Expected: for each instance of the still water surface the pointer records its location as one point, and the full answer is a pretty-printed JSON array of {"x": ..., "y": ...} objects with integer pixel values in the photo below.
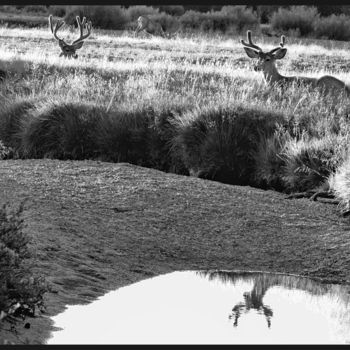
[{"x": 211, "y": 307}]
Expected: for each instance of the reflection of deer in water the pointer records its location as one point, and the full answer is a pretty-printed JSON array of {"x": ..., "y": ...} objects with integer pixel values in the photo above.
[
  {"x": 262, "y": 282},
  {"x": 254, "y": 300}
]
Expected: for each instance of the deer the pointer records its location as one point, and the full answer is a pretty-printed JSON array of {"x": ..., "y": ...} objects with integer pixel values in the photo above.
[
  {"x": 144, "y": 23},
  {"x": 69, "y": 50},
  {"x": 266, "y": 64}
]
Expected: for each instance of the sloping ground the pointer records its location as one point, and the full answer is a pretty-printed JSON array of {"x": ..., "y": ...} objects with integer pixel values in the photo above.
[{"x": 100, "y": 226}]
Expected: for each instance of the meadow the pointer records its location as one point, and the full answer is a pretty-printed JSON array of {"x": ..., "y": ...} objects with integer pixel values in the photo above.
[{"x": 190, "y": 105}]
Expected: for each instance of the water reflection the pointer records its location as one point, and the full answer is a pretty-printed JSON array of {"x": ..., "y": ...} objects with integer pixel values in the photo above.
[{"x": 212, "y": 307}]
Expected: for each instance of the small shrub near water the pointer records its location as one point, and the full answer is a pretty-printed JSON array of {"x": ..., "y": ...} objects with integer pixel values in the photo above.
[
  {"x": 21, "y": 292},
  {"x": 309, "y": 162},
  {"x": 340, "y": 184},
  {"x": 11, "y": 117}
]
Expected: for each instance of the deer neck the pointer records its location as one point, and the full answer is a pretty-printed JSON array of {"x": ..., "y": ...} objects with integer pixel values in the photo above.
[{"x": 271, "y": 74}]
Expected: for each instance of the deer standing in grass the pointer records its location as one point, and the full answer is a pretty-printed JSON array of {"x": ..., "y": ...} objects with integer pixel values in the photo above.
[
  {"x": 266, "y": 64},
  {"x": 144, "y": 23},
  {"x": 69, "y": 50}
]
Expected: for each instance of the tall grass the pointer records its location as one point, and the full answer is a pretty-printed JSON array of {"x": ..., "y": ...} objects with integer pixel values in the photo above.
[{"x": 189, "y": 105}]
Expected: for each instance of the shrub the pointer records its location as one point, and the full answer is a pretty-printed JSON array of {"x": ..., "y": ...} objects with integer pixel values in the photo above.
[
  {"x": 104, "y": 17},
  {"x": 296, "y": 18},
  {"x": 5, "y": 152},
  {"x": 340, "y": 184},
  {"x": 11, "y": 117},
  {"x": 21, "y": 292},
  {"x": 333, "y": 27},
  {"x": 134, "y": 12},
  {"x": 309, "y": 162},
  {"x": 266, "y": 12},
  {"x": 268, "y": 161},
  {"x": 122, "y": 137},
  {"x": 219, "y": 144},
  {"x": 162, "y": 154},
  {"x": 168, "y": 23},
  {"x": 57, "y": 10},
  {"x": 173, "y": 10},
  {"x": 63, "y": 131},
  {"x": 241, "y": 17},
  {"x": 42, "y": 9},
  {"x": 235, "y": 18}
]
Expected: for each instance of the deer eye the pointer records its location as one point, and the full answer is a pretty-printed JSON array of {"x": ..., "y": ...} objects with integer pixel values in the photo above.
[{"x": 267, "y": 59}]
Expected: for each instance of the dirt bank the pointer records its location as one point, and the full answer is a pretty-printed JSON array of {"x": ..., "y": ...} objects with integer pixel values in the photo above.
[{"x": 99, "y": 226}]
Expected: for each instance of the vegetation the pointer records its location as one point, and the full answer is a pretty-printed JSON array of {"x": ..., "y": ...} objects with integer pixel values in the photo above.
[
  {"x": 189, "y": 105},
  {"x": 21, "y": 291}
]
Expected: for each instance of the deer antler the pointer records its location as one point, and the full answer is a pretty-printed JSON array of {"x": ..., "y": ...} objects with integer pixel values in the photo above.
[
  {"x": 81, "y": 25},
  {"x": 282, "y": 42},
  {"x": 58, "y": 25},
  {"x": 250, "y": 44}
]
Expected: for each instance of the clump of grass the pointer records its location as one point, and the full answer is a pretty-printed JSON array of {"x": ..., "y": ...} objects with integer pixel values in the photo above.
[
  {"x": 11, "y": 117},
  {"x": 5, "y": 152},
  {"x": 310, "y": 161},
  {"x": 218, "y": 144},
  {"x": 62, "y": 131},
  {"x": 340, "y": 184},
  {"x": 21, "y": 291},
  {"x": 121, "y": 136},
  {"x": 268, "y": 160}
]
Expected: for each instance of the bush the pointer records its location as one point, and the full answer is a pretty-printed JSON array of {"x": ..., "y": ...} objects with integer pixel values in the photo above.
[
  {"x": 63, "y": 131},
  {"x": 38, "y": 9},
  {"x": 134, "y": 12},
  {"x": 340, "y": 184},
  {"x": 220, "y": 144},
  {"x": 11, "y": 117},
  {"x": 122, "y": 137},
  {"x": 5, "y": 152},
  {"x": 57, "y": 10},
  {"x": 297, "y": 18},
  {"x": 241, "y": 17},
  {"x": 268, "y": 160},
  {"x": 266, "y": 12},
  {"x": 333, "y": 27},
  {"x": 168, "y": 23},
  {"x": 309, "y": 162},
  {"x": 173, "y": 10},
  {"x": 104, "y": 17},
  {"x": 21, "y": 292},
  {"x": 236, "y": 18}
]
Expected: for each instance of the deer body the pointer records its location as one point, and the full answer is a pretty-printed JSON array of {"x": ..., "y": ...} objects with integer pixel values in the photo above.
[
  {"x": 266, "y": 64},
  {"x": 145, "y": 24}
]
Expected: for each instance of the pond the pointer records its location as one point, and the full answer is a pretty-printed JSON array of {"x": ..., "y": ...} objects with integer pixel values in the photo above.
[{"x": 212, "y": 307}]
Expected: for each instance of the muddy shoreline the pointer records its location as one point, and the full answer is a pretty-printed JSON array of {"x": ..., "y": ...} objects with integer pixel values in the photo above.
[{"x": 99, "y": 226}]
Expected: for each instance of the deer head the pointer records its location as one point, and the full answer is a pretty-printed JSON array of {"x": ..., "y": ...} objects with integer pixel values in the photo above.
[
  {"x": 265, "y": 60},
  {"x": 69, "y": 50}
]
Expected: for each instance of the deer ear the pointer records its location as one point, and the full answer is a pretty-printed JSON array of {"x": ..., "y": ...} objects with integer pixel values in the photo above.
[
  {"x": 280, "y": 53},
  {"x": 78, "y": 45},
  {"x": 251, "y": 52}
]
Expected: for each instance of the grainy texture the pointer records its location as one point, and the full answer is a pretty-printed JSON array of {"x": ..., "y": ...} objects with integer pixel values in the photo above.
[{"x": 100, "y": 226}]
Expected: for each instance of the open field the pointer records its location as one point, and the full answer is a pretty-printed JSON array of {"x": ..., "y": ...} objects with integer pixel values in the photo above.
[{"x": 99, "y": 226}]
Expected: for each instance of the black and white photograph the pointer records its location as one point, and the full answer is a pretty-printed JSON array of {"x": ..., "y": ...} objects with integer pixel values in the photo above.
[{"x": 174, "y": 174}]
